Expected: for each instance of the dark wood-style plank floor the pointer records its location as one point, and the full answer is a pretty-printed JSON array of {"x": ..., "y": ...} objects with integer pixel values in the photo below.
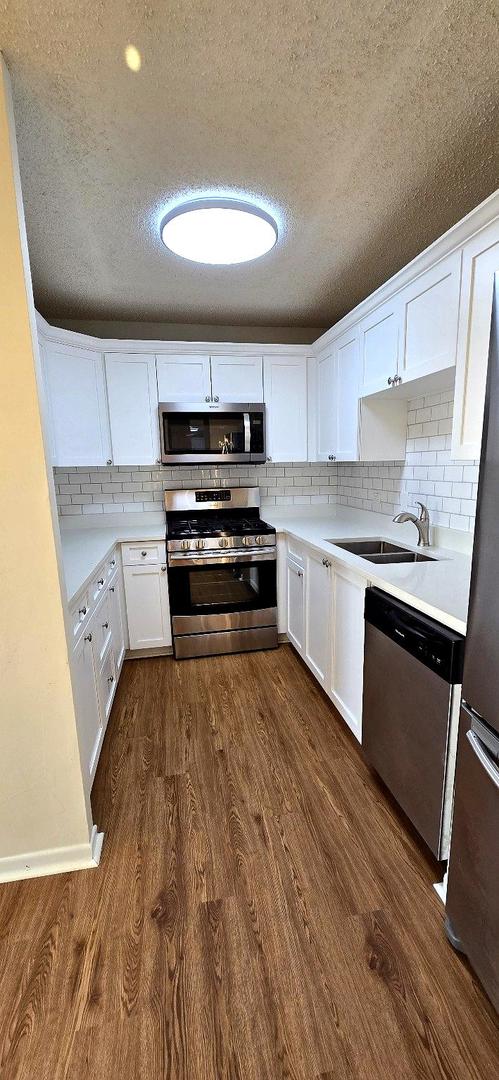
[{"x": 260, "y": 910}]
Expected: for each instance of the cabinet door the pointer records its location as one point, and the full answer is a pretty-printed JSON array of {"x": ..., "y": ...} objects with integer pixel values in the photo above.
[
  {"x": 117, "y": 611},
  {"x": 183, "y": 378},
  {"x": 379, "y": 346},
  {"x": 296, "y": 605},
  {"x": 348, "y": 647},
  {"x": 347, "y": 371},
  {"x": 77, "y": 406},
  {"x": 237, "y": 378},
  {"x": 146, "y": 593},
  {"x": 480, "y": 263},
  {"x": 318, "y": 618},
  {"x": 133, "y": 408},
  {"x": 327, "y": 412},
  {"x": 285, "y": 385},
  {"x": 430, "y": 312},
  {"x": 87, "y": 707}
]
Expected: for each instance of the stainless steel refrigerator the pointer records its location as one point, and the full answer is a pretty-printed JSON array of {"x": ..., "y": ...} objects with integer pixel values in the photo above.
[{"x": 473, "y": 885}]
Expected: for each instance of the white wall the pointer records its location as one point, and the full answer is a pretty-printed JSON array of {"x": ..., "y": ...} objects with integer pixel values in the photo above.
[{"x": 44, "y": 809}]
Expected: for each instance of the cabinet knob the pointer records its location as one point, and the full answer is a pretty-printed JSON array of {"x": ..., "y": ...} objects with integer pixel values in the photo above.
[
  {"x": 398, "y": 379},
  {"x": 111, "y": 588},
  {"x": 390, "y": 381},
  {"x": 207, "y": 398},
  {"x": 158, "y": 461},
  {"x": 300, "y": 573},
  {"x": 100, "y": 581},
  {"x": 143, "y": 553},
  {"x": 331, "y": 457},
  {"x": 105, "y": 626},
  {"x": 216, "y": 398},
  {"x": 109, "y": 461},
  {"x": 163, "y": 568},
  {"x": 269, "y": 459},
  {"x": 83, "y": 611},
  {"x": 88, "y": 637},
  {"x": 111, "y": 678}
]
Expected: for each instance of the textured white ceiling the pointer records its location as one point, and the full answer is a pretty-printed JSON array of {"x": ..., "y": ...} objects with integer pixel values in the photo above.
[{"x": 371, "y": 125}]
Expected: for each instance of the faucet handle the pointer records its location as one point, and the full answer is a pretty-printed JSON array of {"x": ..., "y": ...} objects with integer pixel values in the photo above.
[{"x": 424, "y": 513}]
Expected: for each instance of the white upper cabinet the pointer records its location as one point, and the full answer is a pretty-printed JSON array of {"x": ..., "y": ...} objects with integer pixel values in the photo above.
[
  {"x": 183, "y": 377},
  {"x": 430, "y": 308},
  {"x": 285, "y": 395},
  {"x": 347, "y": 378},
  {"x": 327, "y": 416},
  {"x": 379, "y": 346},
  {"x": 480, "y": 263},
  {"x": 133, "y": 408},
  {"x": 237, "y": 378},
  {"x": 77, "y": 405}
]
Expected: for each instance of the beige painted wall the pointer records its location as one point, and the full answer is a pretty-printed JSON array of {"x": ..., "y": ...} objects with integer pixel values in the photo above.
[
  {"x": 164, "y": 331},
  {"x": 43, "y": 803}
]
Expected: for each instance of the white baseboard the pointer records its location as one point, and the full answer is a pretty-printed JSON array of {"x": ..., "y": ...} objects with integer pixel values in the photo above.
[{"x": 53, "y": 860}]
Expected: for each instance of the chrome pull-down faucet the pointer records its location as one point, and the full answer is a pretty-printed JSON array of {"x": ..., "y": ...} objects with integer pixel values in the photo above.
[{"x": 422, "y": 523}]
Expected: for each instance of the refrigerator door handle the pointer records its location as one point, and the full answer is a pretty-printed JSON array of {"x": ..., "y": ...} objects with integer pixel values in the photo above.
[{"x": 490, "y": 767}]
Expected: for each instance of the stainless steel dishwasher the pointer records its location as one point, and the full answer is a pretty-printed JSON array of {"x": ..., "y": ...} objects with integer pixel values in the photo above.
[{"x": 412, "y": 676}]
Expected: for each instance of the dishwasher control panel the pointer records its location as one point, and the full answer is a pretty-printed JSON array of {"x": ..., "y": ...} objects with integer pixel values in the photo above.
[{"x": 436, "y": 646}]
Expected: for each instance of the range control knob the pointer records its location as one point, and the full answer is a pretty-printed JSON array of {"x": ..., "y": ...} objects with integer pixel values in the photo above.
[
  {"x": 261, "y": 539},
  {"x": 224, "y": 541},
  {"x": 184, "y": 545},
  {"x": 247, "y": 540},
  {"x": 199, "y": 545}
]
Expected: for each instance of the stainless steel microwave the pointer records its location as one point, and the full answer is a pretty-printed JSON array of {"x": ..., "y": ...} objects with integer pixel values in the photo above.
[{"x": 208, "y": 434}]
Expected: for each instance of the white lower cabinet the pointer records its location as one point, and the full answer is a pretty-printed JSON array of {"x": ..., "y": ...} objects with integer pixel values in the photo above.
[
  {"x": 148, "y": 612},
  {"x": 296, "y": 604},
  {"x": 325, "y": 623},
  {"x": 347, "y": 646},
  {"x": 97, "y": 660},
  {"x": 318, "y": 616}
]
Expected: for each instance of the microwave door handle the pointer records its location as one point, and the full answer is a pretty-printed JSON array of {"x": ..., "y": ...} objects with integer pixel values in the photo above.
[
  {"x": 247, "y": 432},
  {"x": 490, "y": 767}
]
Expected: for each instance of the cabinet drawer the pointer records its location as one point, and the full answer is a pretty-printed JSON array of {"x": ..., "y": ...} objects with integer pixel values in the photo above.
[
  {"x": 79, "y": 613},
  {"x": 296, "y": 552},
  {"x": 142, "y": 554}
]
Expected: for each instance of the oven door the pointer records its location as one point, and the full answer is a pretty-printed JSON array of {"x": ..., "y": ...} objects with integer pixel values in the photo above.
[
  {"x": 207, "y": 434},
  {"x": 222, "y": 592}
]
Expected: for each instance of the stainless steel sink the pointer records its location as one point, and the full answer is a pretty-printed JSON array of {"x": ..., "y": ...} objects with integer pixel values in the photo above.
[{"x": 377, "y": 550}]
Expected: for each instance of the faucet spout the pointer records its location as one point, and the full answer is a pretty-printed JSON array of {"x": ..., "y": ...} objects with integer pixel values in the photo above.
[{"x": 422, "y": 523}]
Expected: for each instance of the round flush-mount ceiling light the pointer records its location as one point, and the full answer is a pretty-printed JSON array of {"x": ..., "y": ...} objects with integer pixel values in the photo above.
[{"x": 220, "y": 232}]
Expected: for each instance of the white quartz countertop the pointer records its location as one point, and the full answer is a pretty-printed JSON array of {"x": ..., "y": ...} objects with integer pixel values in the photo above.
[
  {"x": 83, "y": 549},
  {"x": 439, "y": 589}
]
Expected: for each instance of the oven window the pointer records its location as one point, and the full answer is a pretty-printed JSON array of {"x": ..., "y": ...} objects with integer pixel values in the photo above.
[
  {"x": 202, "y": 590},
  {"x": 204, "y": 433}
]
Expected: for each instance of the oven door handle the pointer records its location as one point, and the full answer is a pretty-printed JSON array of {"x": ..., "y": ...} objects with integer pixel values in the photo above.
[
  {"x": 177, "y": 560},
  {"x": 247, "y": 432}
]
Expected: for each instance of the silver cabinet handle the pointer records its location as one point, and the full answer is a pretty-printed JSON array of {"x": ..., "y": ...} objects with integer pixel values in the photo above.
[
  {"x": 331, "y": 457},
  {"x": 143, "y": 553},
  {"x": 216, "y": 398},
  {"x": 111, "y": 588},
  {"x": 111, "y": 678},
  {"x": 83, "y": 611},
  {"x": 100, "y": 581},
  {"x": 398, "y": 379},
  {"x": 105, "y": 626},
  {"x": 390, "y": 381},
  {"x": 163, "y": 568},
  {"x": 207, "y": 398},
  {"x": 109, "y": 461},
  {"x": 88, "y": 637}
]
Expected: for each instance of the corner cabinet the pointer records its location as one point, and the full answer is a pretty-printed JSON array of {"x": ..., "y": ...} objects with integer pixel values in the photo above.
[
  {"x": 75, "y": 387},
  {"x": 285, "y": 397}
]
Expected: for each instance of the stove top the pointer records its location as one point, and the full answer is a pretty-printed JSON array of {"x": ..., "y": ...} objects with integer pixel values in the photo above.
[{"x": 216, "y": 525}]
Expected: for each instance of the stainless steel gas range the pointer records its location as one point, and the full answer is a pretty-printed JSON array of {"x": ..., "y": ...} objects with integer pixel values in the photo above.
[{"x": 221, "y": 572}]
